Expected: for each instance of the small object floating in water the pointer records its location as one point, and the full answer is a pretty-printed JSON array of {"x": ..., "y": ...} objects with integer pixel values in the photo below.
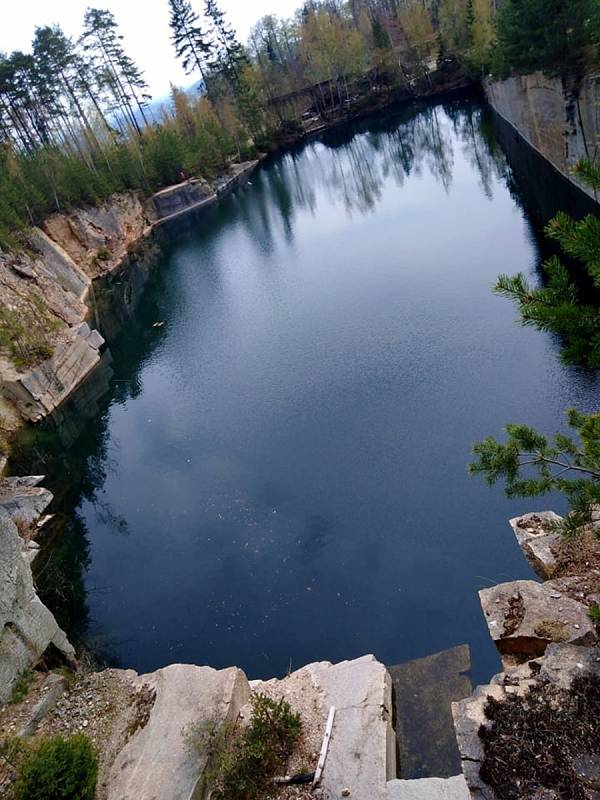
[{"x": 159, "y": 324}]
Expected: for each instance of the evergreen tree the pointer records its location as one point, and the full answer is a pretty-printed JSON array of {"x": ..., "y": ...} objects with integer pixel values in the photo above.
[
  {"x": 115, "y": 71},
  {"x": 559, "y": 37},
  {"x": 228, "y": 57},
  {"x": 190, "y": 41},
  {"x": 381, "y": 38},
  {"x": 558, "y": 306},
  {"x": 531, "y": 466}
]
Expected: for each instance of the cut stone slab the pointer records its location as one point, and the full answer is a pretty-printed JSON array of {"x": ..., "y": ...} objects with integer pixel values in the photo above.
[
  {"x": 161, "y": 761},
  {"x": 362, "y": 750},
  {"x": 454, "y": 788},
  {"x": 537, "y": 539},
  {"x": 424, "y": 690},
  {"x": 523, "y": 617}
]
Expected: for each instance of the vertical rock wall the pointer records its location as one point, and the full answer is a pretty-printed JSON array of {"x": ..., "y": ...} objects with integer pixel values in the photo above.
[
  {"x": 48, "y": 286},
  {"x": 561, "y": 121},
  {"x": 27, "y": 627}
]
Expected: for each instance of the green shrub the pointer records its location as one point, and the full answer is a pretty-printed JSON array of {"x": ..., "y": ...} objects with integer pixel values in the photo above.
[
  {"x": 26, "y": 332},
  {"x": 58, "y": 769},
  {"x": 594, "y": 612},
  {"x": 21, "y": 686},
  {"x": 247, "y": 768}
]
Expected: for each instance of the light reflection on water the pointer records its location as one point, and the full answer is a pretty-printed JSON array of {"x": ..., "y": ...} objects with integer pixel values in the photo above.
[{"x": 278, "y": 475}]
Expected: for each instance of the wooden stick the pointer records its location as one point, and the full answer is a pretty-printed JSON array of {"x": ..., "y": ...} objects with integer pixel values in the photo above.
[{"x": 324, "y": 746}]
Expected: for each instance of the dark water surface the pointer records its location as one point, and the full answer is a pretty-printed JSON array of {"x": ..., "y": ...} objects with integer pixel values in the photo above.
[{"x": 278, "y": 474}]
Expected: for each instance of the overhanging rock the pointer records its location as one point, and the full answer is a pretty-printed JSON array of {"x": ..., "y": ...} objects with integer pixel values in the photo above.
[{"x": 27, "y": 627}]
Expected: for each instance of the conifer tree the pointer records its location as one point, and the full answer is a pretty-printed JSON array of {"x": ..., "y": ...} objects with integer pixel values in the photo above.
[
  {"x": 558, "y": 306},
  {"x": 532, "y": 466},
  {"x": 556, "y": 36},
  {"x": 228, "y": 56},
  {"x": 190, "y": 41}
]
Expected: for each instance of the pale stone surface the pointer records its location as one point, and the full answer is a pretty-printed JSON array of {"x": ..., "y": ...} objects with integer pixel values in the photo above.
[
  {"x": 27, "y": 627},
  {"x": 454, "y": 788},
  {"x": 362, "y": 749},
  {"x": 55, "y": 686},
  {"x": 159, "y": 762},
  {"x": 547, "y": 113},
  {"x": 23, "y": 499},
  {"x": 41, "y": 390},
  {"x": 524, "y": 616},
  {"x": 537, "y": 540},
  {"x": 182, "y": 197},
  {"x": 98, "y": 239},
  {"x": 59, "y": 266}
]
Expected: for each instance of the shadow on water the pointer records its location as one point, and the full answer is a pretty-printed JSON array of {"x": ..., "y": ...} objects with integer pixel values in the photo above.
[{"x": 276, "y": 474}]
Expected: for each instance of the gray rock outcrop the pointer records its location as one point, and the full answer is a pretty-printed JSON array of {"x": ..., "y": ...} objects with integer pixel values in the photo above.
[
  {"x": 361, "y": 758},
  {"x": 48, "y": 287},
  {"x": 523, "y": 617},
  {"x": 535, "y": 532},
  {"x": 42, "y": 389},
  {"x": 560, "y": 122},
  {"x": 166, "y": 759},
  {"x": 23, "y": 499},
  {"x": 27, "y": 627}
]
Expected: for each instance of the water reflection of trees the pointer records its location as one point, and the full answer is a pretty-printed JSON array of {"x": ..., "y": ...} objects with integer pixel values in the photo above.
[
  {"x": 72, "y": 448},
  {"x": 351, "y": 166}
]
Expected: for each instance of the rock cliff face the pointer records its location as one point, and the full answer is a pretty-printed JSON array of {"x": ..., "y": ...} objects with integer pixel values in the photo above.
[
  {"x": 27, "y": 627},
  {"x": 45, "y": 289},
  {"x": 560, "y": 121}
]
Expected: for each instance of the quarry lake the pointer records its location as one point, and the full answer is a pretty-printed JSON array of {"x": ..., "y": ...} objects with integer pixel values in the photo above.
[{"x": 277, "y": 474}]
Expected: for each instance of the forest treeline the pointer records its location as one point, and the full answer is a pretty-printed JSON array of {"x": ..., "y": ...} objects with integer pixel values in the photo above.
[{"x": 76, "y": 122}]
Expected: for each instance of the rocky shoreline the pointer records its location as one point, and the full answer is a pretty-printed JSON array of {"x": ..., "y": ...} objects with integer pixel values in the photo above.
[
  {"x": 53, "y": 281},
  {"x": 141, "y": 724}
]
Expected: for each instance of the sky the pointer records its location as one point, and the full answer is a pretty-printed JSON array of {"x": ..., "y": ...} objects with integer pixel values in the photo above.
[{"x": 143, "y": 23}]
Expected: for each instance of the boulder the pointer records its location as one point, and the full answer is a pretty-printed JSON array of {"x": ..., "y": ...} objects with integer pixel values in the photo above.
[
  {"x": 537, "y": 538},
  {"x": 166, "y": 759},
  {"x": 27, "y": 627},
  {"x": 523, "y": 617},
  {"x": 362, "y": 748}
]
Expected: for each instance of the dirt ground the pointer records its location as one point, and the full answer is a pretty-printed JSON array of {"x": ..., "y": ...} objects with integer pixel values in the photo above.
[{"x": 103, "y": 705}]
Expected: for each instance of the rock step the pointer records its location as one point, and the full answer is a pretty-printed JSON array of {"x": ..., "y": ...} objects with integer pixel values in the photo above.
[
  {"x": 166, "y": 759},
  {"x": 429, "y": 789},
  {"x": 362, "y": 749}
]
